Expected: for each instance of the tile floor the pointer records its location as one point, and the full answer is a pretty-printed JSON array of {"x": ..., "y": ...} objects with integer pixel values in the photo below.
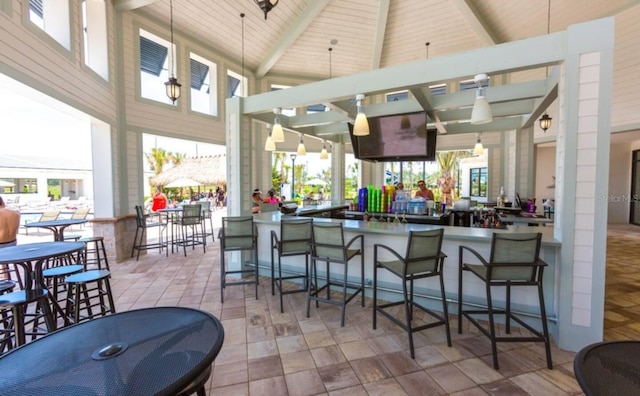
[
  {"x": 622, "y": 284},
  {"x": 271, "y": 353}
]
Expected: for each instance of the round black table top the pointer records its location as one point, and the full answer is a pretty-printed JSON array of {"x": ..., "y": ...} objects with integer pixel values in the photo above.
[
  {"x": 152, "y": 351},
  {"x": 37, "y": 251},
  {"x": 609, "y": 368},
  {"x": 56, "y": 223}
]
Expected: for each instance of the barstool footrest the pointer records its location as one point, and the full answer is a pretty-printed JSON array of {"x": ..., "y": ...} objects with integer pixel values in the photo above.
[
  {"x": 441, "y": 319},
  {"x": 540, "y": 337}
]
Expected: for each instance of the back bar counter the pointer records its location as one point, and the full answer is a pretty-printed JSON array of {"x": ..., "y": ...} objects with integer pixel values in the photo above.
[{"x": 396, "y": 235}]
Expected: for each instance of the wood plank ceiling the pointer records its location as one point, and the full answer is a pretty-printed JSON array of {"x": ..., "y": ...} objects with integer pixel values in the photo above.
[{"x": 372, "y": 34}]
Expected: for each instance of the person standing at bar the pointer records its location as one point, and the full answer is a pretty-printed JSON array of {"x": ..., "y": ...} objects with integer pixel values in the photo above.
[{"x": 423, "y": 191}]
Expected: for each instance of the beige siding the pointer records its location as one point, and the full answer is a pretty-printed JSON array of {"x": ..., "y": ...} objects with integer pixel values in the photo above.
[{"x": 31, "y": 56}]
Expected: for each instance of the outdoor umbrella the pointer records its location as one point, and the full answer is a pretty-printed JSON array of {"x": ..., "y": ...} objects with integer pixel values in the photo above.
[{"x": 183, "y": 182}]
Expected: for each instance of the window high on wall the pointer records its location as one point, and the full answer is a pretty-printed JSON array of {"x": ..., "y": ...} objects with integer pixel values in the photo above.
[
  {"x": 204, "y": 98},
  {"x": 236, "y": 85},
  {"x": 94, "y": 27},
  {"x": 52, "y": 16},
  {"x": 154, "y": 67}
]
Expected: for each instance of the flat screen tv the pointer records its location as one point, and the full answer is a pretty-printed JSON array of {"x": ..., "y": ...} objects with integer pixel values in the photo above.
[{"x": 399, "y": 137}]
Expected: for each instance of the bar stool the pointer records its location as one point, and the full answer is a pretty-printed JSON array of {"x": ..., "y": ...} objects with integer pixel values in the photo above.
[
  {"x": 423, "y": 259},
  {"x": 191, "y": 227},
  {"x": 7, "y": 275},
  {"x": 96, "y": 252},
  {"x": 514, "y": 261},
  {"x": 55, "y": 277},
  {"x": 6, "y": 286},
  {"x": 87, "y": 291},
  {"x": 295, "y": 237},
  {"x": 238, "y": 234},
  {"x": 327, "y": 244},
  {"x": 206, "y": 215},
  {"x": 16, "y": 317}
]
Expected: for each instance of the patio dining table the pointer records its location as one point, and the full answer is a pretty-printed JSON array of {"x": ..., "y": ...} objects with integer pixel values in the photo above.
[
  {"x": 57, "y": 226},
  {"x": 31, "y": 257},
  {"x": 152, "y": 351},
  {"x": 609, "y": 368}
]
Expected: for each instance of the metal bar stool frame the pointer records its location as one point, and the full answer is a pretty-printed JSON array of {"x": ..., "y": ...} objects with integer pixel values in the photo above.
[
  {"x": 238, "y": 233},
  {"x": 423, "y": 259},
  {"x": 294, "y": 240},
  {"x": 514, "y": 261},
  {"x": 327, "y": 244}
]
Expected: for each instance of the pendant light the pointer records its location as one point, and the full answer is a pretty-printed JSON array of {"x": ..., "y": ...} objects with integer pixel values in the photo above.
[
  {"x": 172, "y": 86},
  {"x": 277, "y": 134},
  {"x": 361, "y": 126},
  {"x": 324, "y": 154},
  {"x": 269, "y": 145},
  {"x": 301, "y": 149},
  {"x": 481, "y": 113},
  {"x": 266, "y": 6},
  {"x": 545, "y": 120},
  {"x": 478, "y": 149}
]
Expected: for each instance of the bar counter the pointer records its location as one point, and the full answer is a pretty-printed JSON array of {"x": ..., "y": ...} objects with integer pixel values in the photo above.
[{"x": 395, "y": 236}]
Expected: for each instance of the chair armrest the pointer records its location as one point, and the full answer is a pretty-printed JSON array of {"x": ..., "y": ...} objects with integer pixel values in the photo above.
[
  {"x": 361, "y": 237},
  {"x": 461, "y": 250},
  {"x": 541, "y": 263},
  {"x": 388, "y": 249},
  {"x": 274, "y": 240}
]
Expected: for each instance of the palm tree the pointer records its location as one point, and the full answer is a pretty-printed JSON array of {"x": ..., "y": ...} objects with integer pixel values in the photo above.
[
  {"x": 448, "y": 162},
  {"x": 177, "y": 158},
  {"x": 157, "y": 159}
]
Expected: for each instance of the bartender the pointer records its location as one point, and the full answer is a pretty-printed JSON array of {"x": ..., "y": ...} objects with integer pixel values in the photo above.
[{"x": 423, "y": 191}]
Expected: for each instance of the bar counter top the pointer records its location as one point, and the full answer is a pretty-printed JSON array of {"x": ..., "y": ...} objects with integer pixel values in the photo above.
[{"x": 451, "y": 232}]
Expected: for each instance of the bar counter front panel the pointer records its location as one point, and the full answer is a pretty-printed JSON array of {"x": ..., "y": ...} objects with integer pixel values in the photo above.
[{"x": 524, "y": 299}]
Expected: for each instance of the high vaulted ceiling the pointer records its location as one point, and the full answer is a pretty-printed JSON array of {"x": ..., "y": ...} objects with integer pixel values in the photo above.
[{"x": 373, "y": 34}]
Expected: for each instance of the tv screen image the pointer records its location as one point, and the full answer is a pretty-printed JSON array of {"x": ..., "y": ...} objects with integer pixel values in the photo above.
[{"x": 400, "y": 137}]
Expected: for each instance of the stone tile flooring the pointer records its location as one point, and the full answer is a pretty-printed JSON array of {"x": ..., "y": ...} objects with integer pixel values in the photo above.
[
  {"x": 271, "y": 353},
  {"x": 622, "y": 283}
]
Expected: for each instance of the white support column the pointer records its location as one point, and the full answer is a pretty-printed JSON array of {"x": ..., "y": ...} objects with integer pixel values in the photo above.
[
  {"x": 338, "y": 173},
  {"x": 582, "y": 173},
  {"x": 236, "y": 177},
  {"x": 102, "y": 157}
]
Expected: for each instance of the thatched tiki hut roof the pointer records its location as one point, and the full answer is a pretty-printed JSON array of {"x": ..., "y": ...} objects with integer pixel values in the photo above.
[{"x": 210, "y": 170}]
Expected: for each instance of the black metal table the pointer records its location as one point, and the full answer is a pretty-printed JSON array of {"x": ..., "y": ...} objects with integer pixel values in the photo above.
[
  {"x": 609, "y": 368},
  {"x": 31, "y": 258},
  {"x": 57, "y": 226},
  {"x": 152, "y": 351}
]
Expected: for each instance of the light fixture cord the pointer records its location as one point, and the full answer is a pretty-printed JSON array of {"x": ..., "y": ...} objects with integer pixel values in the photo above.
[
  {"x": 173, "y": 53},
  {"x": 330, "y": 50},
  {"x": 242, "y": 47},
  {"x": 548, "y": 28}
]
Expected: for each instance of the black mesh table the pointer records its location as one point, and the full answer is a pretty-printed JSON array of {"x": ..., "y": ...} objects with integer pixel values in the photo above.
[
  {"x": 152, "y": 351},
  {"x": 31, "y": 257},
  {"x": 609, "y": 368},
  {"x": 56, "y": 226}
]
